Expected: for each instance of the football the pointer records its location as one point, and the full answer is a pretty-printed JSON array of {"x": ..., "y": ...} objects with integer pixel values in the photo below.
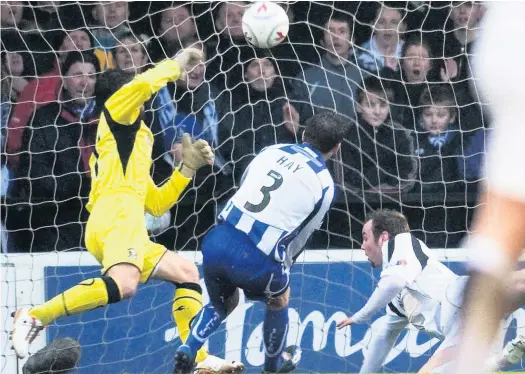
[{"x": 265, "y": 24}]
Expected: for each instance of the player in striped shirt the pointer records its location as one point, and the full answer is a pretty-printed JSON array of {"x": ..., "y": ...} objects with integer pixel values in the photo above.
[
  {"x": 284, "y": 196},
  {"x": 419, "y": 290}
]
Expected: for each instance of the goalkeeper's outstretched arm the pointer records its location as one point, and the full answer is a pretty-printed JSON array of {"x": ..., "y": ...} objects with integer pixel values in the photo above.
[{"x": 124, "y": 105}]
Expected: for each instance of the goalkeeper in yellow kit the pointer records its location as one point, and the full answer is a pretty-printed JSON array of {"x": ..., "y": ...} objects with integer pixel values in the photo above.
[{"x": 122, "y": 190}]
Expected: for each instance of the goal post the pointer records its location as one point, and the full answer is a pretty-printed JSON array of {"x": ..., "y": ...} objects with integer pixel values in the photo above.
[{"x": 389, "y": 68}]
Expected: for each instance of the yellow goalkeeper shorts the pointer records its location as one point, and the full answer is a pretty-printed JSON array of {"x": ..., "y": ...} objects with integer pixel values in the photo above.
[{"x": 116, "y": 233}]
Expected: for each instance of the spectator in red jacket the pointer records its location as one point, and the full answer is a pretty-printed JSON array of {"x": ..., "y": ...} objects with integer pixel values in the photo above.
[
  {"x": 53, "y": 176},
  {"x": 42, "y": 91}
]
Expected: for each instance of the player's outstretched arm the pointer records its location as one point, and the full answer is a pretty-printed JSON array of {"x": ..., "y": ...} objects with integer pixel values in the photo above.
[
  {"x": 387, "y": 288},
  {"x": 124, "y": 106},
  {"x": 194, "y": 156}
]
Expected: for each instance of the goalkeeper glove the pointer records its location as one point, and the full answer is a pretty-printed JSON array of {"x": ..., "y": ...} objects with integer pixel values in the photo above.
[
  {"x": 196, "y": 155},
  {"x": 157, "y": 225},
  {"x": 187, "y": 59}
]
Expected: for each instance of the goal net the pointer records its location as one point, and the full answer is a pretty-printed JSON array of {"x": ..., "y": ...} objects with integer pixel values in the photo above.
[{"x": 399, "y": 73}]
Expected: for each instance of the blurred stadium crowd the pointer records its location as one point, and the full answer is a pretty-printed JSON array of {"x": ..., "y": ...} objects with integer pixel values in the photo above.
[{"x": 399, "y": 72}]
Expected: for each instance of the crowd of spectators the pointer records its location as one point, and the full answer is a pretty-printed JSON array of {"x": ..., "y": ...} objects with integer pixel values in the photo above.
[{"x": 400, "y": 73}]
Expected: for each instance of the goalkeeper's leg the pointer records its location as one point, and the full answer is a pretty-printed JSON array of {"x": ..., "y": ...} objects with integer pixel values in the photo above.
[
  {"x": 207, "y": 321},
  {"x": 186, "y": 306},
  {"x": 119, "y": 282},
  {"x": 188, "y": 294}
]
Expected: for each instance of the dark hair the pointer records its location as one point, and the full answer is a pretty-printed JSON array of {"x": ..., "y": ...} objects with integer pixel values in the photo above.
[
  {"x": 250, "y": 54},
  {"x": 439, "y": 95},
  {"x": 162, "y": 8},
  {"x": 376, "y": 86},
  {"x": 78, "y": 56},
  {"x": 417, "y": 40},
  {"x": 325, "y": 130},
  {"x": 58, "y": 36},
  {"x": 391, "y": 221},
  {"x": 130, "y": 35},
  {"x": 340, "y": 17},
  {"x": 14, "y": 42},
  {"x": 110, "y": 82},
  {"x": 397, "y": 6}
]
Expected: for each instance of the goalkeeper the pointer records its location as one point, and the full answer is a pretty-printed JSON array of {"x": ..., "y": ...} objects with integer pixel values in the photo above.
[{"x": 122, "y": 190}]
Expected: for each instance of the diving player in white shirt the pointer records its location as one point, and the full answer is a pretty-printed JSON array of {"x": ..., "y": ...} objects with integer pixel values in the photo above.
[
  {"x": 285, "y": 193},
  {"x": 499, "y": 224},
  {"x": 416, "y": 289}
]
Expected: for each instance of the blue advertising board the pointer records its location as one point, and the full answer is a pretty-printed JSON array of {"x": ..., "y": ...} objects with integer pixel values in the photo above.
[{"x": 138, "y": 335}]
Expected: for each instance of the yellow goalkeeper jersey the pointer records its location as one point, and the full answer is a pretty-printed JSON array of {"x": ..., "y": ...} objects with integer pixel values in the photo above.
[{"x": 122, "y": 161}]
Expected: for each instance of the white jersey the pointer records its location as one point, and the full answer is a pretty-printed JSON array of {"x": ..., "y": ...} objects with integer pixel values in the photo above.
[
  {"x": 285, "y": 193},
  {"x": 430, "y": 285},
  {"x": 416, "y": 289}
]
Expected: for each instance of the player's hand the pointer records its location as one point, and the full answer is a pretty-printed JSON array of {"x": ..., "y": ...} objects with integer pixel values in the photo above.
[
  {"x": 291, "y": 118},
  {"x": 449, "y": 71},
  {"x": 196, "y": 155},
  {"x": 344, "y": 323},
  {"x": 187, "y": 59}
]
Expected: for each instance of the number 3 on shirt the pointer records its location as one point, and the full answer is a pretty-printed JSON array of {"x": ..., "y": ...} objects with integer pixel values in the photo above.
[{"x": 265, "y": 190}]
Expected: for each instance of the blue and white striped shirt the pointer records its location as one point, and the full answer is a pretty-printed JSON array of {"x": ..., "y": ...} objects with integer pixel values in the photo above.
[{"x": 285, "y": 193}]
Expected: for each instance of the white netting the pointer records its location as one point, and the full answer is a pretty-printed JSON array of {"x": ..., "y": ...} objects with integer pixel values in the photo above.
[{"x": 417, "y": 146}]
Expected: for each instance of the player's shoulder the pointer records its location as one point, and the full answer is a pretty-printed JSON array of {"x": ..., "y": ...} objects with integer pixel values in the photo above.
[
  {"x": 410, "y": 241},
  {"x": 289, "y": 148},
  {"x": 273, "y": 146},
  {"x": 404, "y": 243},
  {"x": 305, "y": 162}
]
